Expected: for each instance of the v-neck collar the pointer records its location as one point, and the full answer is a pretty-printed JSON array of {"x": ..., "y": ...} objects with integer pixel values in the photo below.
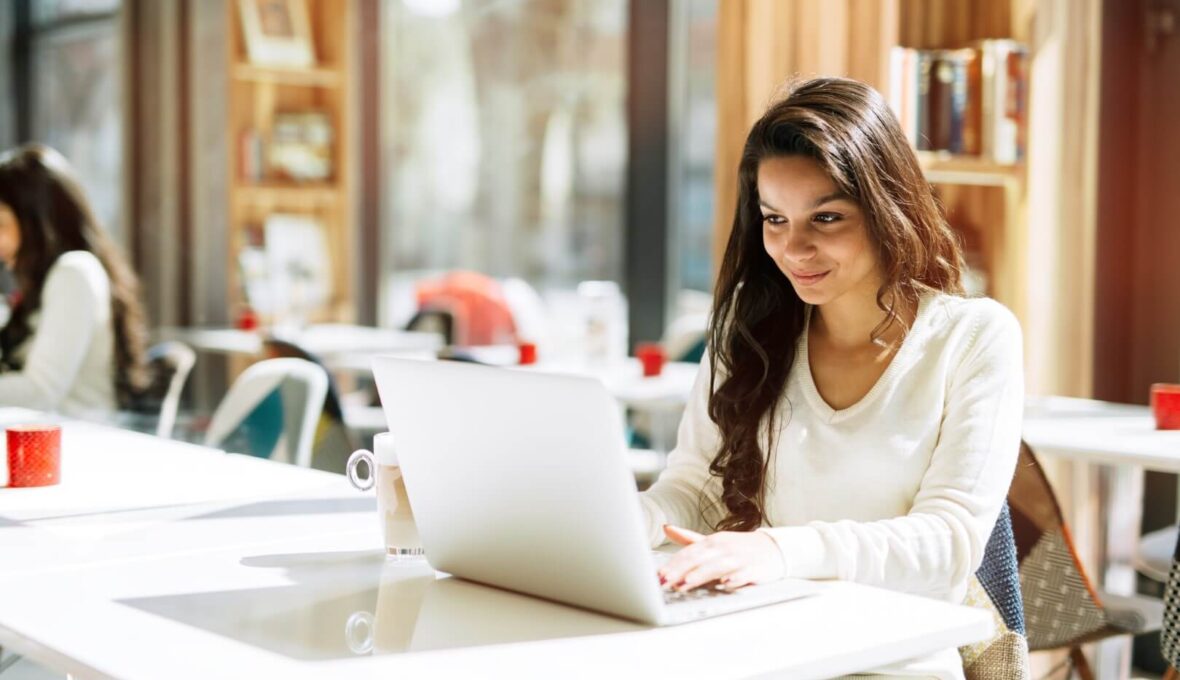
[{"x": 896, "y": 362}]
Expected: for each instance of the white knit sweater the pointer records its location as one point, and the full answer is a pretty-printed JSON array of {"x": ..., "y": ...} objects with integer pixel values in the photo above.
[
  {"x": 900, "y": 490},
  {"x": 69, "y": 361}
]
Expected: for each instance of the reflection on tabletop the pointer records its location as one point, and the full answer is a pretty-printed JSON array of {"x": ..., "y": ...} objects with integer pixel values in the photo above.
[{"x": 347, "y": 604}]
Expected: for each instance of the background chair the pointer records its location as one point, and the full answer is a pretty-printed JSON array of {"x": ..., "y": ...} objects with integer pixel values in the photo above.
[
  {"x": 274, "y": 399},
  {"x": 332, "y": 442},
  {"x": 1062, "y": 608},
  {"x": 1170, "y": 635},
  {"x": 171, "y": 363},
  {"x": 154, "y": 409}
]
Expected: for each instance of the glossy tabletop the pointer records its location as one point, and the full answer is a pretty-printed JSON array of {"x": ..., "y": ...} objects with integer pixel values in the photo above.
[{"x": 331, "y": 606}]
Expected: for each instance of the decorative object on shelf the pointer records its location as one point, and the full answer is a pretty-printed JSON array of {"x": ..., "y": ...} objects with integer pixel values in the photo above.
[
  {"x": 277, "y": 33},
  {"x": 970, "y": 101},
  {"x": 298, "y": 266},
  {"x": 301, "y": 146}
]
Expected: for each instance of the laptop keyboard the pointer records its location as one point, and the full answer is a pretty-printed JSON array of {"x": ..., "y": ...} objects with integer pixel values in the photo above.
[{"x": 696, "y": 594}]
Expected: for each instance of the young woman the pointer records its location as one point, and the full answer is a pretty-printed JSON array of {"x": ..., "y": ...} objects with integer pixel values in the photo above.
[
  {"x": 856, "y": 418},
  {"x": 74, "y": 342}
]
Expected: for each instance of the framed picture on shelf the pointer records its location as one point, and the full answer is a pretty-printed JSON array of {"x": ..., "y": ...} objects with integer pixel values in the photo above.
[{"x": 277, "y": 33}]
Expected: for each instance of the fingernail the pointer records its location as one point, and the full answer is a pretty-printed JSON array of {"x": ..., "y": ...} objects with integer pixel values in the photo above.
[{"x": 663, "y": 580}]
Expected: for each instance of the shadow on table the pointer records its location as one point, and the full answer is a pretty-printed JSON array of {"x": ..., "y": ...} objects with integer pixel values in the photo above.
[
  {"x": 294, "y": 506},
  {"x": 347, "y": 604}
]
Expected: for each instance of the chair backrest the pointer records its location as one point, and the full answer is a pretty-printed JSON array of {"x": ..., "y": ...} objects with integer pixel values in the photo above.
[
  {"x": 1062, "y": 607},
  {"x": 332, "y": 441},
  {"x": 996, "y": 587},
  {"x": 1170, "y": 635},
  {"x": 302, "y": 386},
  {"x": 171, "y": 363}
]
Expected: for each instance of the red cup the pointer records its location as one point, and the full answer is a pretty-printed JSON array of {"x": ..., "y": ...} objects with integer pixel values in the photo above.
[
  {"x": 528, "y": 353},
  {"x": 247, "y": 320},
  {"x": 1165, "y": 406},
  {"x": 34, "y": 455},
  {"x": 651, "y": 355}
]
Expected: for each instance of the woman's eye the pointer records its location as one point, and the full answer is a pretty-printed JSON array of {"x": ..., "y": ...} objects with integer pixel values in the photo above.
[
  {"x": 774, "y": 219},
  {"x": 828, "y": 218}
]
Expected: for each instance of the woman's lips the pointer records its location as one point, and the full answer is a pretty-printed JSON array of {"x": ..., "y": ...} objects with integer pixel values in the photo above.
[{"x": 808, "y": 279}]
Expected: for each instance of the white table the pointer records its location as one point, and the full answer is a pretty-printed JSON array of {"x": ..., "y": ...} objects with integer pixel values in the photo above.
[
  {"x": 225, "y": 566},
  {"x": 326, "y": 341},
  {"x": 1121, "y": 441},
  {"x": 125, "y": 495},
  {"x": 300, "y": 607}
]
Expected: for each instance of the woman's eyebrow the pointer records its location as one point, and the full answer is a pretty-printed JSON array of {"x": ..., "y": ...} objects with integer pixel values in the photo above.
[{"x": 834, "y": 196}]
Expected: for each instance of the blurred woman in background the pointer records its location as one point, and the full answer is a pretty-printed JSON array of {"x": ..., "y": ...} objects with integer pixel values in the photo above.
[{"x": 74, "y": 342}]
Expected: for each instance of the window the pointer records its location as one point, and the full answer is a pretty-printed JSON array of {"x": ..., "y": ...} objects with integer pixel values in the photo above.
[
  {"x": 504, "y": 139},
  {"x": 73, "y": 55},
  {"x": 693, "y": 108}
]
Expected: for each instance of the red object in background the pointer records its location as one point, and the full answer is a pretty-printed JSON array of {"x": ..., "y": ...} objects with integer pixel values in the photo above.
[
  {"x": 476, "y": 303},
  {"x": 1165, "y": 406},
  {"x": 247, "y": 320},
  {"x": 528, "y": 353},
  {"x": 34, "y": 455},
  {"x": 651, "y": 355}
]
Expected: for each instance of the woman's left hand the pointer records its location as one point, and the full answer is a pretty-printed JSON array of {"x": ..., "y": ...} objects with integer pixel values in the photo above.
[{"x": 730, "y": 558}]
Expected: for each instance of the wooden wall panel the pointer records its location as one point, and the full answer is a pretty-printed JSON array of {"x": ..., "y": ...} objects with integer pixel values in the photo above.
[{"x": 763, "y": 44}]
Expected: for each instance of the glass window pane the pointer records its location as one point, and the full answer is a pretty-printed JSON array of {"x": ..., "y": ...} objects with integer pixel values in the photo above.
[
  {"x": 504, "y": 138},
  {"x": 77, "y": 109},
  {"x": 49, "y": 11},
  {"x": 695, "y": 104}
]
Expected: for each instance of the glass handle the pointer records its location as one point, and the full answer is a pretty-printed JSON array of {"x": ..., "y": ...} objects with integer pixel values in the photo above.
[{"x": 354, "y": 461}]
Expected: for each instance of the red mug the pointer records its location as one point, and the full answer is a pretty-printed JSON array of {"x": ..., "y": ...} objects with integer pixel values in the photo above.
[
  {"x": 1165, "y": 406},
  {"x": 651, "y": 355},
  {"x": 527, "y": 353},
  {"x": 34, "y": 455}
]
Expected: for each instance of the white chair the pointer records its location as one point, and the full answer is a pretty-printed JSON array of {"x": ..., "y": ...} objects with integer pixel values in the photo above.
[
  {"x": 303, "y": 386},
  {"x": 178, "y": 359}
]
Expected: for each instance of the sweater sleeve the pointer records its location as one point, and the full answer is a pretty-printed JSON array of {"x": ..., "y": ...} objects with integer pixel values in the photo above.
[
  {"x": 686, "y": 494},
  {"x": 70, "y": 310},
  {"x": 940, "y": 541}
]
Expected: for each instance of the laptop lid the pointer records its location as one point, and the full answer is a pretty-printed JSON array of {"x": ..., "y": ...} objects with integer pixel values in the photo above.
[{"x": 519, "y": 479}]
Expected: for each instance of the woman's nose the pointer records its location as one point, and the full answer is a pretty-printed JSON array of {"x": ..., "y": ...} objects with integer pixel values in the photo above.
[{"x": 798, "y": 245}]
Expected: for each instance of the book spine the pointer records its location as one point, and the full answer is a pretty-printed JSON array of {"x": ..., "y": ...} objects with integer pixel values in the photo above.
[
  {"x": 973, "y": 115},
  {"x": 939, "y": 103},
  {"x": 922, "y": 107}
]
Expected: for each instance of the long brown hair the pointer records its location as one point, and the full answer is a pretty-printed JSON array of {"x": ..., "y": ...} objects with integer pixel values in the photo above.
[
  {"x": 848, "y": 129},
  {"x": 37, "y": 184}
]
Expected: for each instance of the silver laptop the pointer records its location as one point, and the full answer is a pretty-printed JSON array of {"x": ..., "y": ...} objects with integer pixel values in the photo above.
[{"x": 519, "y": 479}]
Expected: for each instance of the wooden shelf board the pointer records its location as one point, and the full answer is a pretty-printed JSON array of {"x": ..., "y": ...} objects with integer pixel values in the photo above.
[
  {"x": 942, "y": 168},
  {"x": 305, "y": 77},
  {"x": 288, "y": 194}
]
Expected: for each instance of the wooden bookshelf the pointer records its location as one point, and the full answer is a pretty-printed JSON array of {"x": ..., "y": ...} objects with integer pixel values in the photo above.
[{"x": 257, "y": 96}]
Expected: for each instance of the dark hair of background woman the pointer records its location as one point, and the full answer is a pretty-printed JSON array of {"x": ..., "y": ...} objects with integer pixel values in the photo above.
[
  {"x": 38, "y": 186},
  {"x": 757, "y": 319}
]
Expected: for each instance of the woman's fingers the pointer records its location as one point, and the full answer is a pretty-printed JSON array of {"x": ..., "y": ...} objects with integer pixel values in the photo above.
[
  {"x": 681, "y": 536},
  {"x": 708, "y": 572},
  {"x": 689, "y": 558}
]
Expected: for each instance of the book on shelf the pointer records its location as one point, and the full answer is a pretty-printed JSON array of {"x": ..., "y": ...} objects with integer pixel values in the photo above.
[{"x": 970, "y": 101}]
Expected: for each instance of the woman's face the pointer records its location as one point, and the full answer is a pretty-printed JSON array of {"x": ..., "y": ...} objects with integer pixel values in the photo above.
[
  {"x": 9, "y": 235},
  {"x": 816, "y": 235}
]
